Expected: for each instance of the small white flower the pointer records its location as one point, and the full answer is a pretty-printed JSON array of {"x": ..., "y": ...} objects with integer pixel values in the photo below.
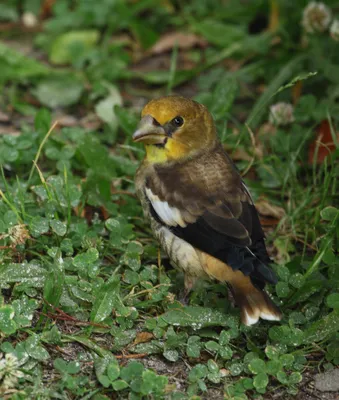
[
  {"x": 334, "y": 30},
  {"x": 29, "y": 19},
  {"x": 170, "y": 297},
  {"x": 18, "y": 234},
  {"x": 281, "y": 114},
  {"x": 316, "y": 17},
  {"x": 9, "y": 373}
]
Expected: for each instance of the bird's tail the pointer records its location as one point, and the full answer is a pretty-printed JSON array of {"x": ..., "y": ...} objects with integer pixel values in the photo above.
[{"x": 255, "y": 304}]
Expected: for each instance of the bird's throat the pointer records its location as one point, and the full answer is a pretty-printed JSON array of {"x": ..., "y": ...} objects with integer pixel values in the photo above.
[
  {"x": 171, "y": 150},
  {"x": 156, "y": 154}
]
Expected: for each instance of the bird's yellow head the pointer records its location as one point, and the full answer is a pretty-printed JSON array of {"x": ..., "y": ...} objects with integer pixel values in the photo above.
[{"x": 173, "y": 128}]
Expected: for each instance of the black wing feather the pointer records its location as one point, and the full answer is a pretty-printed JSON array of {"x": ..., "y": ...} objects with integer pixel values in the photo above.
[{"x": 251, "y": 259}]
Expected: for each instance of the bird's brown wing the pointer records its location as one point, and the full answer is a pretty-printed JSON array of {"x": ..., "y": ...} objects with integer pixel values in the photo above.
[{"x": 204, "y": 201}]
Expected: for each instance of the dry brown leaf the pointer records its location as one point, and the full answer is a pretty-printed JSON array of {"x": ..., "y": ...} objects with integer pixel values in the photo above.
[
  {"x": 241, "y": 154},
  {"x": 91, "y": 122},
  {"x": 46, "y": 8},
  {"x": 10, "y": 26},
  {"x": 184, "y": 41},
  {"x": 268, "y": 222},
  {"x": 268, "y": 209},
  {"x": 143, "y": 337},
  {"x": 296, "y": 91},
  {"x": 66, "y": 120},
  {"x": 323, "y": 144},
  {"x": 4, "y": 117},
  {"x": 9, "y": 130}
]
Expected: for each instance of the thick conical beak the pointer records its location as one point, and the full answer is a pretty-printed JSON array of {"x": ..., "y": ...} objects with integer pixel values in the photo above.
[{"x": 149, "y": 132}]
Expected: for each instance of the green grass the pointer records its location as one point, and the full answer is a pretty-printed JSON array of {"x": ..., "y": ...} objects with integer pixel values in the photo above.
[{"x": 88, "y": 305}]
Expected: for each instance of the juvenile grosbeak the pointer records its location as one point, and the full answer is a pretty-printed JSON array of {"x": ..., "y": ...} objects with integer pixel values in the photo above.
[{"x": 199, "y": 208}]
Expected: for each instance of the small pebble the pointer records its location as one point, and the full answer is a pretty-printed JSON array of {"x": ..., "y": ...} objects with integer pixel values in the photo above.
[{"x": 328, "y": 381}]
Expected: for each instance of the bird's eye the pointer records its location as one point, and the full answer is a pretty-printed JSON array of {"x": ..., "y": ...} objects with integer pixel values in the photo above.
[{"x": 178, "y": 121}]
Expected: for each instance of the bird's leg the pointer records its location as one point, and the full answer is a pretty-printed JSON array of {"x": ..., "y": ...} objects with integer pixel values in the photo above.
[
  {"x": 189, "y": 282},
  {"x": 230, "y": 295}
]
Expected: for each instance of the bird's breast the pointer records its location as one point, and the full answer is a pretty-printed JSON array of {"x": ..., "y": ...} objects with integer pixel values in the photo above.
[{"x": 182, "y": 254}]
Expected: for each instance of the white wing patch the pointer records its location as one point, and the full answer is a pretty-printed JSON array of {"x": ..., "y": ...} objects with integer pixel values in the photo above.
[{"x": 171, "y": 216}]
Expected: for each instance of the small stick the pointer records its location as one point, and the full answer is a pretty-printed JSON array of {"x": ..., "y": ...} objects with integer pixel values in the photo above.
[
  {"x": 141, "y": 355},
  {"x": 253, "y": 144}
]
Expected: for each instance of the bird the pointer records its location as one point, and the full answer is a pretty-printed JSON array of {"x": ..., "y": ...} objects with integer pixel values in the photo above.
[{"x": 198, "y": 206}]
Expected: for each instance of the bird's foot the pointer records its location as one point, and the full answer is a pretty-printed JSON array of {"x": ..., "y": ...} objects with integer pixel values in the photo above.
[
  {"x": 189, "y": 282},
  {"x": 183, "y": 297}
]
